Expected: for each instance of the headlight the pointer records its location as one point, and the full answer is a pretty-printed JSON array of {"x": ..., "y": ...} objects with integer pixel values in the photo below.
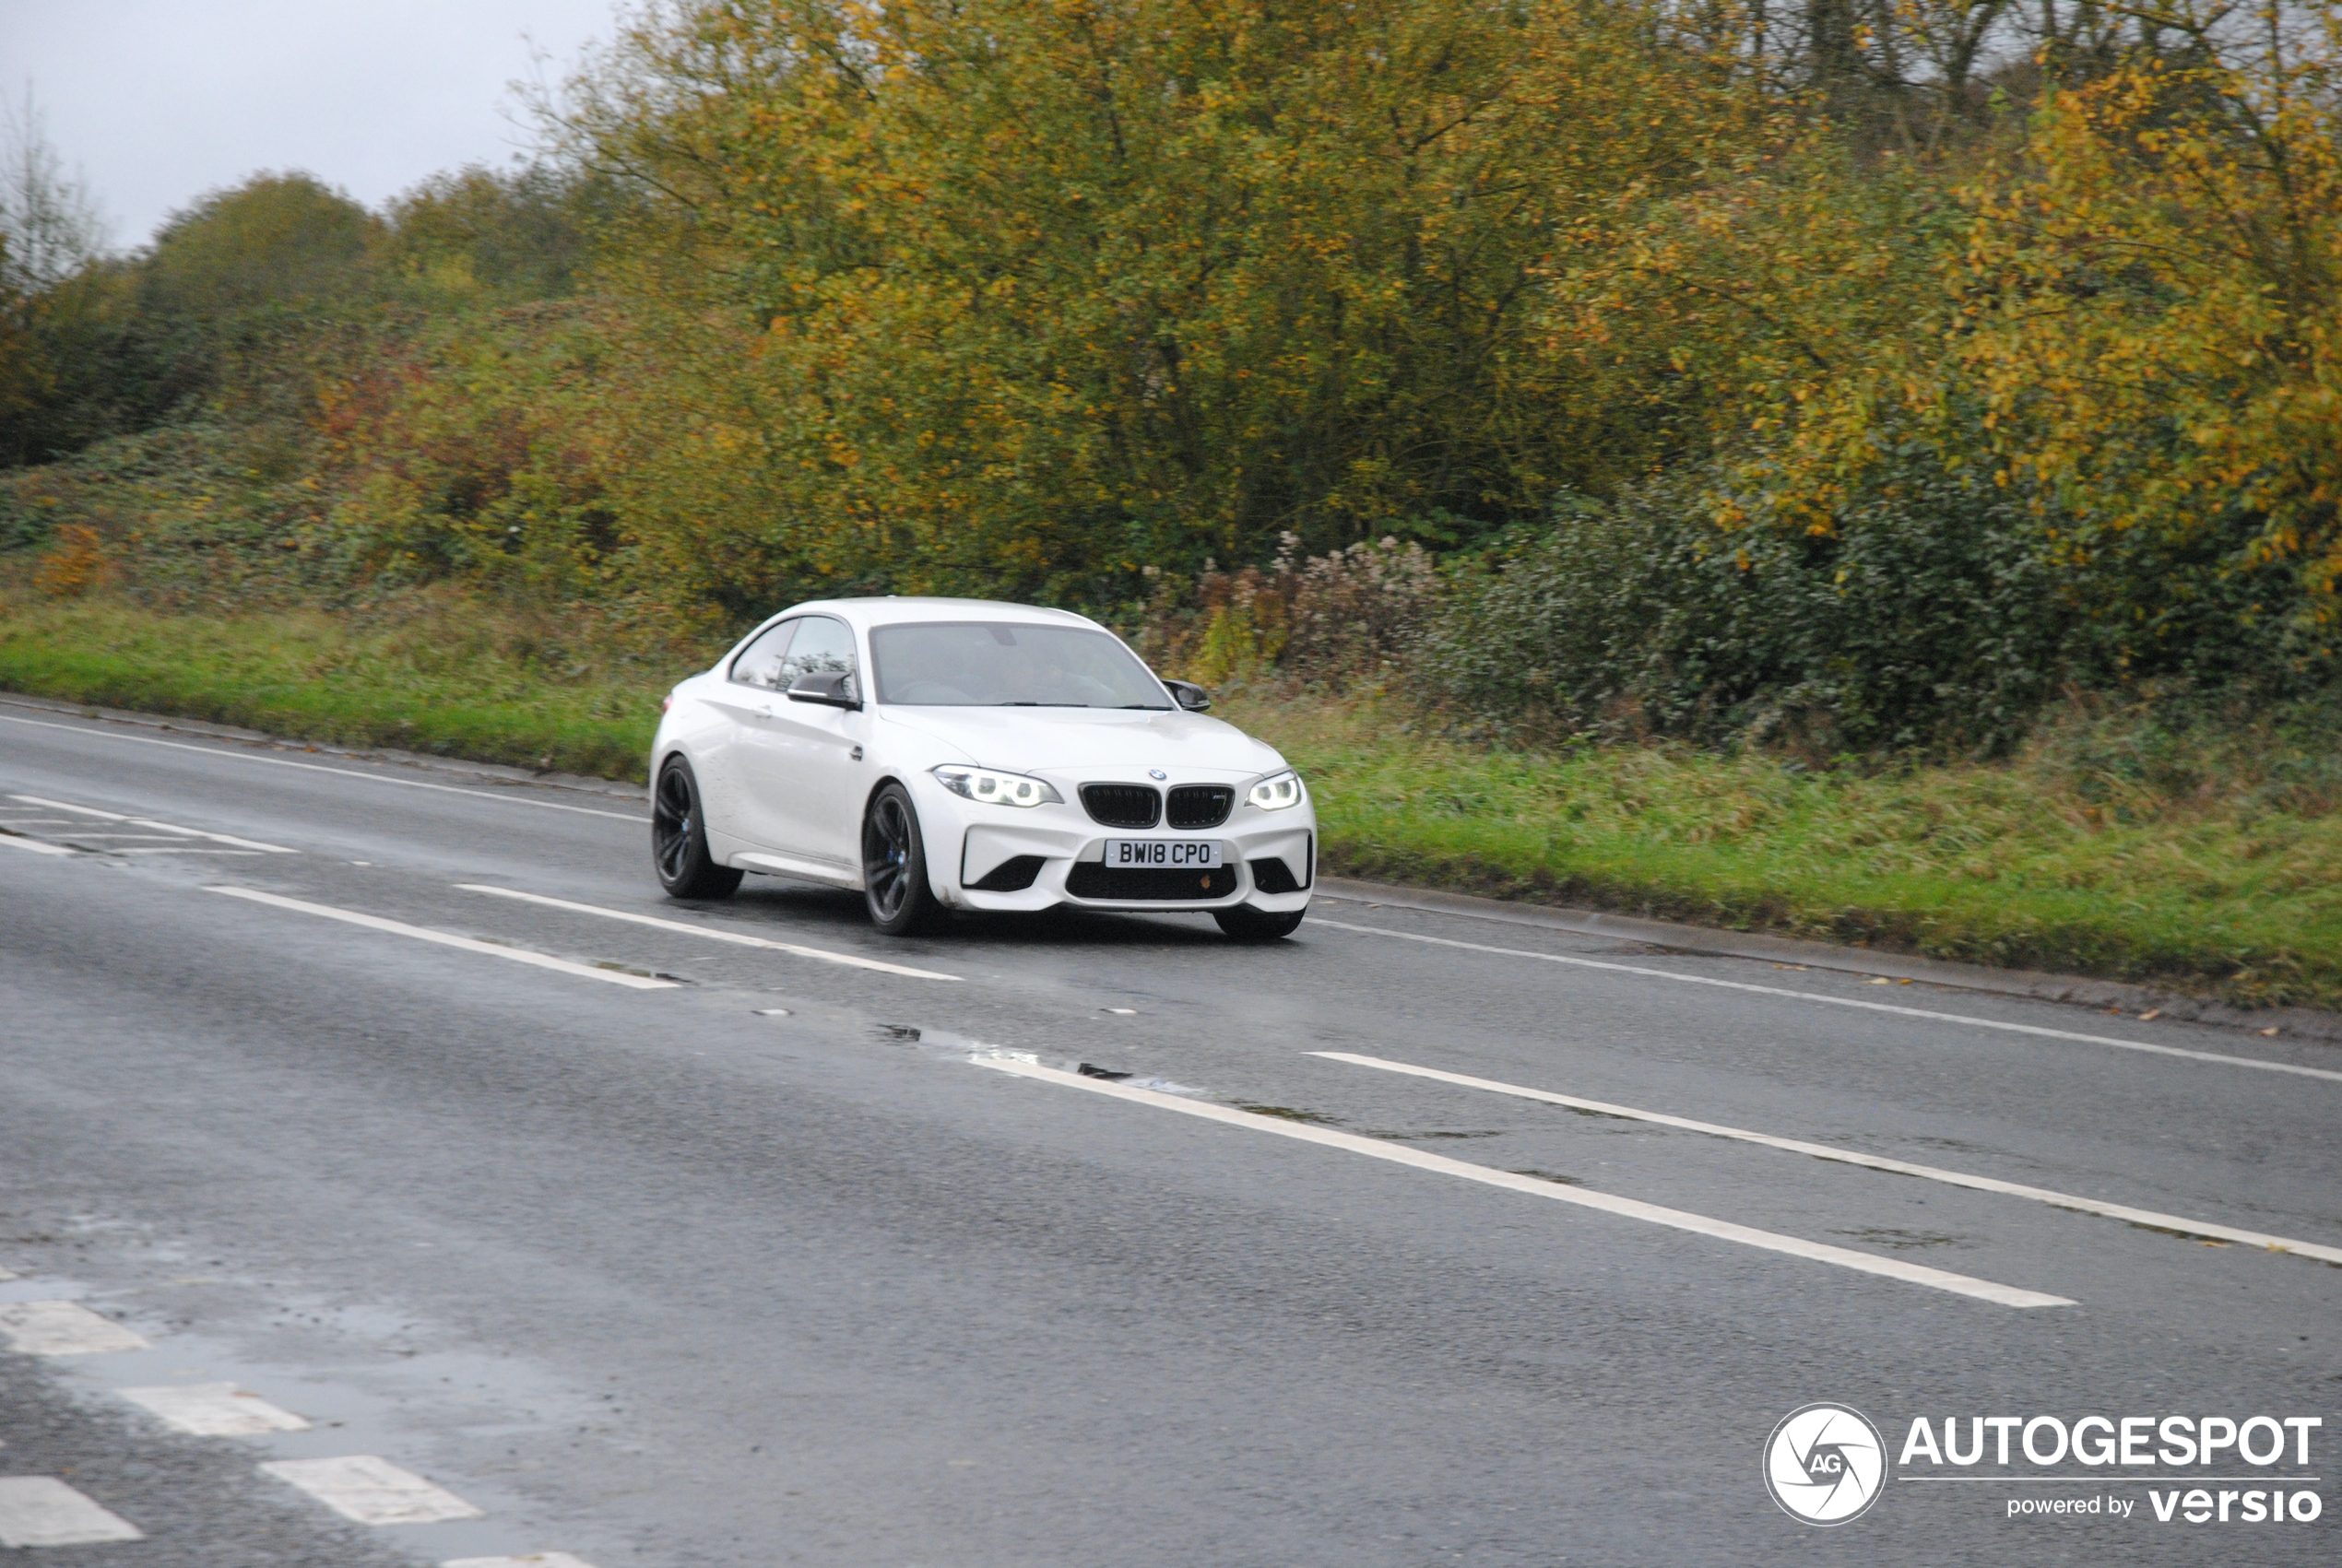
[
  {"x": 1276, "y": 792},
  {"x": 996, "y": 788}
]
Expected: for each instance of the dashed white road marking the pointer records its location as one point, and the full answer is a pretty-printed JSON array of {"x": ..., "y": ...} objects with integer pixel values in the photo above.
[
  {"x": 371, "y": 1490},
  {"x": 321, "y": 768},
  {"x": 1841, "y": 1001},
  {"x": 213, "y": 1409},
  {"x": 534, "y": 1559},
  {"x": 162, "y": 830},
  {"x": 711, "y": 933},
  {"x": 1632, "y": 1208},
  {"x": 63, "y": 1328},
  {"x": 2180, "y": 1223},
  {"x": 34, "y": 845},
  {"x": 449, "y": 939},
  {"x": 43, "y": 1511}
]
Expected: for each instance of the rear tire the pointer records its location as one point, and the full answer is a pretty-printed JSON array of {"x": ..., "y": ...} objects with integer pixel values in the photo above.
[
  {"x": 678, "y": 839},
  {"x": 894, "y": 885},
  {"x": 1247, "y": 924}
]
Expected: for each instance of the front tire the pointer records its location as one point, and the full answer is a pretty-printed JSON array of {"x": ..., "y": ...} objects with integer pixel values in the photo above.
[
  {"x": 894, "y": 884},
  {"x": 1247, "y": 924},
  {"x": 678, "y": 839}
]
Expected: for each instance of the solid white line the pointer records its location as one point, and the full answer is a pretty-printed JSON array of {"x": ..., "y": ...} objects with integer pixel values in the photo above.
[
  {"x": 1841, "y": 1001},
  {"x": 64, "y": 806},
  {"x": 534, "y": 1559},
  {"x": 34, "y": 845},
  {"x": 213, "y": 1409},
  {"x": 157, "y": 850},
  {"x": 712, "y": 933},
  {"x": 215, "y": 838},
  {"x": 1876, "y": 1162},
  {"x": 1632, "y": 1208},
  {"x": 44, "y": 1511},
  {"x": 320, "y": 768},
  {"x": 447, "y": 940},
  {"x": 371, "y": 1490},
  {"x": 169, "y": 828},
  {"x": 63, "y": 1328}
]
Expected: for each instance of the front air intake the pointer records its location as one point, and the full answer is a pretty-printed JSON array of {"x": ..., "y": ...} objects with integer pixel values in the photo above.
[{"x": 1123, "y": 806}]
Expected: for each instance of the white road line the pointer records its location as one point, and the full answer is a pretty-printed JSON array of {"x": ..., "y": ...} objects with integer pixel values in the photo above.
[
  {"x": 63, "y": 1328},
  {"x": 164, "y": 830},
  {"x": 710, "y": 932},
  {"x": 149, "y": 851},
  {"x": 371, "y": 1490},
  {"x": 114, "y": 838},
  {"x": 66, "y": 806},
  {"x": 1841, "y": 1001},
  {"x": 43, "y": 1511},
  {"x": 215, "y": 838},
  {"x": 448, "y": 939},
  {"x": 213, "y": 1409},
  {"x": 534, "y": 1559},
  {"x": 321, "y": 768},
  {"x": 34, "y": 845},
  {"x": 1681, "y": 1220},
  {"x": 2180, "y": 1223}
]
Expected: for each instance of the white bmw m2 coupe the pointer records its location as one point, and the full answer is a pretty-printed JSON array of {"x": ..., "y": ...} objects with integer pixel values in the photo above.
[{"x": 944, "y": 754}]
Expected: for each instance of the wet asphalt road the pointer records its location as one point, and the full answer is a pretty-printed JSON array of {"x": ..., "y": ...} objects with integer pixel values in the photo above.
[{"x": 775, "y": 1264}]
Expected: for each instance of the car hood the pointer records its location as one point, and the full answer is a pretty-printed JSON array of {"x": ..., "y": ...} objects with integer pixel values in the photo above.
[{"x": 1032, "y": 739}]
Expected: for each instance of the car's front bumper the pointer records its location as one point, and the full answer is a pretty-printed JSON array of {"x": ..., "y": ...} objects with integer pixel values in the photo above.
[{"x": 968, "y": 843}]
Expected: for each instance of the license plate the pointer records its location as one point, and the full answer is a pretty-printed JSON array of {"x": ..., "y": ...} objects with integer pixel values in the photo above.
[{"x": 1173, "y": 854}]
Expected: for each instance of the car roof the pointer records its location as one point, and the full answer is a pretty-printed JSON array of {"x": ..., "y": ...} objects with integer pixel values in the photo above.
[{"x": 893, "y": 611}]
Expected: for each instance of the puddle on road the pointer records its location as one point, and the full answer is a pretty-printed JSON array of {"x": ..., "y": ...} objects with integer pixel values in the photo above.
[
  {"x": 1905, "y": 1240},
  {"x": 1288, "y": 1114}
]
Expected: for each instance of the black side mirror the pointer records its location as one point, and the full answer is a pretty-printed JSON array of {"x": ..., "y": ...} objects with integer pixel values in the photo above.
[
  {"x": 1190, "y": 696},
  {"x": 830, "y": 687}
]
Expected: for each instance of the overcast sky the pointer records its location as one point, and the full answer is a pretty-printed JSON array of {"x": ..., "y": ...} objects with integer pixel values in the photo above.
[{"x": 160, "y": 100}]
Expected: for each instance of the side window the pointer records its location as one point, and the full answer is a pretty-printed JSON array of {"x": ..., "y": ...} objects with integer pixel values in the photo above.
[
  {"x": 759, "y": 662},
  {"x": 821, "y": 644}
]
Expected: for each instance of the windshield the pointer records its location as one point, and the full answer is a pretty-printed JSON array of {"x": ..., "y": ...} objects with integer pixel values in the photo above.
[{"x": 986, "y": 664}]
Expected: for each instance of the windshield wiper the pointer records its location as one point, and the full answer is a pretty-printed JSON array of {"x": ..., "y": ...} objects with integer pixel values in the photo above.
[{"x": 1017, "y": 704}]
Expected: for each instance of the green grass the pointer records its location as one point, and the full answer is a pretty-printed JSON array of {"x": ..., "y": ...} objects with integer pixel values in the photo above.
[
  {"x": 2057, "y": 860},
  {"x": 2028, "y": 864},
  {"x": 440, "y": 677}
]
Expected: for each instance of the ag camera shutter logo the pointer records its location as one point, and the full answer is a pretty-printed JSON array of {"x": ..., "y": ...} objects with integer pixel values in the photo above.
[{"x": 1825, "y": 1464}]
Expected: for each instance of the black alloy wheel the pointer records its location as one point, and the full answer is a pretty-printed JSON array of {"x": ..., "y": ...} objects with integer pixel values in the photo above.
[
  {"x": 894, "y": 881},
  {"x": 1247, "y": 924},
  {"x": 678, "y": 839}
]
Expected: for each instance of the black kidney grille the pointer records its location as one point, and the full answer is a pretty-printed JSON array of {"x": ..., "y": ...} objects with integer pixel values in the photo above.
[
  {"x": 1123, "y": 806},
  {"x": 1201, "y": 806}
]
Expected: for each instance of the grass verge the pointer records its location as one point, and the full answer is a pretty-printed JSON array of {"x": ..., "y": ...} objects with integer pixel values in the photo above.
[
  {"x": 2035, "y": 862},
  {"x": 440, "y": 677},
  {"x": 2028, "y": 864}
]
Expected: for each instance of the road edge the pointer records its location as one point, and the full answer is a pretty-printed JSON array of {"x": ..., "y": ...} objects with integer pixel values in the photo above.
[{"x": 2106, "y": 996}]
